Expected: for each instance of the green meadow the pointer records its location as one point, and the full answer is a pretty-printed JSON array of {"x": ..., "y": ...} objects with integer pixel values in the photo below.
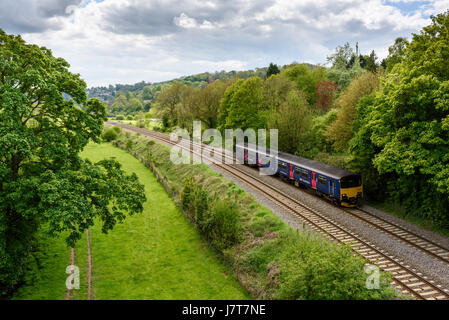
[{"x": 157, "y": 254}]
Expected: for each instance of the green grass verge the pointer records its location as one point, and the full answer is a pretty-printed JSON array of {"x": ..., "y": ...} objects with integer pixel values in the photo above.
[
  {"x": 46, "y": 278},
  {"x": 154, "y": 255},
  {"x": 157, "y": 254}
]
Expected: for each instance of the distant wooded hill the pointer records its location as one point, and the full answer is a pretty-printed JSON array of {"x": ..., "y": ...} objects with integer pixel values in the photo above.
[
  {"x": 198, "y": 80},
  {"x": 133, "y": 98}
]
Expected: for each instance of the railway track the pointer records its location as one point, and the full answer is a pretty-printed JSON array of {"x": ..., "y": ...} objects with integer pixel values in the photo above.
[
  {"x": 407, "y": 236},
  {"x": 405, "y": 278}
]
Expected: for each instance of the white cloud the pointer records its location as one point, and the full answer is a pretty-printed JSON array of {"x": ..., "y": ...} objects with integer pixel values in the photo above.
[
  {"x": 228, "y": 65},
  {"x": 185, "y": 22},
  {"x": 153, "y": 40},
  {"x": 437, "y": 6}
]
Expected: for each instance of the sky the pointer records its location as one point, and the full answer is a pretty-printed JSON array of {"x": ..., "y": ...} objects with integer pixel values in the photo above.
[{"x": 127, "y": 41}]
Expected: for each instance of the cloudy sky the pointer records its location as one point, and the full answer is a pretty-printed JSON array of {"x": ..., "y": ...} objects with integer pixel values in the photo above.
[{"x": 126, "y": 41}]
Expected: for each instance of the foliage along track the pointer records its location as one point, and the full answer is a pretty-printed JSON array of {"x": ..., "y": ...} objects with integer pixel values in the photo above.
[{"x": 405, "y": 278}]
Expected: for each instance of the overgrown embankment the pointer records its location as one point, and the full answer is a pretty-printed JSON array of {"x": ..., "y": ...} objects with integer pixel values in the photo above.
[{"x": 272, "y": 260}]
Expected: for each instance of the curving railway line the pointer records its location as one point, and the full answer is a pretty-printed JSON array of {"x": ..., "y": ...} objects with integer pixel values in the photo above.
[
  {"x": 412, "y": 239},
  {"x": 405, "y": 278}
]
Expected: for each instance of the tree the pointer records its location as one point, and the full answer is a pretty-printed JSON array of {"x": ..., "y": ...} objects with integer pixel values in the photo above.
[
  {"x": 209, "y": 100},
  {"x": 342, "y": 57},
  {"x": 293, "y": 119},
  {"x": 408, "y": 123},
  {"x": 363, "y": 151},
  {"x": 396, "y": 53},
  {"x": 370, "y": 63},
  {"x": 275, "y": 91},
  {"x": 147, "y": 93},
  {"x": 135, "y": 105},
  {"x": 187, "y": 109},
  {"x": 343, "y": 71},
  {"x": 305, "y": 79},
  {"x": 120, "y": 104},
  {"x": 273, "y": 69},
  {"x": 340, "y": 132},
  {"x": 167, "y": 101},
  {"x": 242, "y": 105},
  {"x": 325, "y": 94},
  {"x": 43, "y": 180},
  {"x": 109, "y": 135}
]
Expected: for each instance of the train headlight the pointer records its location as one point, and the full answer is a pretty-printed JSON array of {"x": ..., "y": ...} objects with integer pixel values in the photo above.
[{"x": 345, "y": 196}]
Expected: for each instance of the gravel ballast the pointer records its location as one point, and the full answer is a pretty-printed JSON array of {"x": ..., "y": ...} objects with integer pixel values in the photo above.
[{"x": 428, "y": 265}]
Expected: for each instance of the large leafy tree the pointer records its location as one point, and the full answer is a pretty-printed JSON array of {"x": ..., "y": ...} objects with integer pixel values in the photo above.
[
  {"x": 242, "y": 106},
  {"x": 408, "y": 123},
  {"x": 340, "y": 132},
  {"x": 209, "y": 100},
  {"x": 325, "y": 95},
  {"x": 305, "y": 78},
  {"x": 43, "y": 180},
  {"x": 167, "y": 102},
  {"x": 345, "y": 66},
  {"x": 273, "y": 69},
  {"x": 370, "y": 62},
  {"x": 293, "y": 119},
  {"x": 396, "y": 53},
  {"x": 275, "y": 91}
]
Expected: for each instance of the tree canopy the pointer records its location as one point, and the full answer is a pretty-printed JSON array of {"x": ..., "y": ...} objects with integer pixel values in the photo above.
[
  {"x": 272, "y": 70},
  {"x": 406, "y": 128},
  {"x": 43, "y": 180}
]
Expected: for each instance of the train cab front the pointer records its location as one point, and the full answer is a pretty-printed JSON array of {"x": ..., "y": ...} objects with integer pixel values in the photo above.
[{"x": 351, "y": 191}]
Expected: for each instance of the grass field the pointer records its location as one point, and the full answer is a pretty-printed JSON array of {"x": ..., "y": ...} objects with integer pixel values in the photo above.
[{"x": 154, "y": 255}]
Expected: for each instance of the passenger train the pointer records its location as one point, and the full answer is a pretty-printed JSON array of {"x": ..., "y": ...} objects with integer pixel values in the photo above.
[{"x": 338, "y": 185}]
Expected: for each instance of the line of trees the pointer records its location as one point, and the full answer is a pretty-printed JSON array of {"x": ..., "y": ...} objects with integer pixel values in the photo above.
[
  {"x": 388, "y": 120},
  {"x": 129, "y": 100}
]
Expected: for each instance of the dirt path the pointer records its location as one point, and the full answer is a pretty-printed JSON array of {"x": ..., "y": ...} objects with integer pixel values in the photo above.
[
  {"x": 89, "y": 271},
  {"x": 72, "y": 262}
]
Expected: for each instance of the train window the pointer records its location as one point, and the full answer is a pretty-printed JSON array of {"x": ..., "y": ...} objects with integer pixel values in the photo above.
[
  {"x": 302, "y": 172},
  {"x": 282, "y": 165},
  {"x": 322, "y": 180},
  {"x": 351, "y": 182}
]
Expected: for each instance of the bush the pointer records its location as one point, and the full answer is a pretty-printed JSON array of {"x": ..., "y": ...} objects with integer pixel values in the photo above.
[
  {"x": 129, "y": 117},
  {"x": 218, "y": 222},
  {"x": 129, "y": 144},
  {"x": 312, "y": 268},
  {"x": 188, "y": 196},
  {"x": 109, "y": 135},
  {"x": 120, "y": 117},
  {"x": 261, "y": 256},
  {"x": 223, "y": 224},
  {"x": 117, "y": 129}
]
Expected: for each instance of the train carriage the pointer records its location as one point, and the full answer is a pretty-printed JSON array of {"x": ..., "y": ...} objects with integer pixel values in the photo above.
[{"x": 338, "y": 185}]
